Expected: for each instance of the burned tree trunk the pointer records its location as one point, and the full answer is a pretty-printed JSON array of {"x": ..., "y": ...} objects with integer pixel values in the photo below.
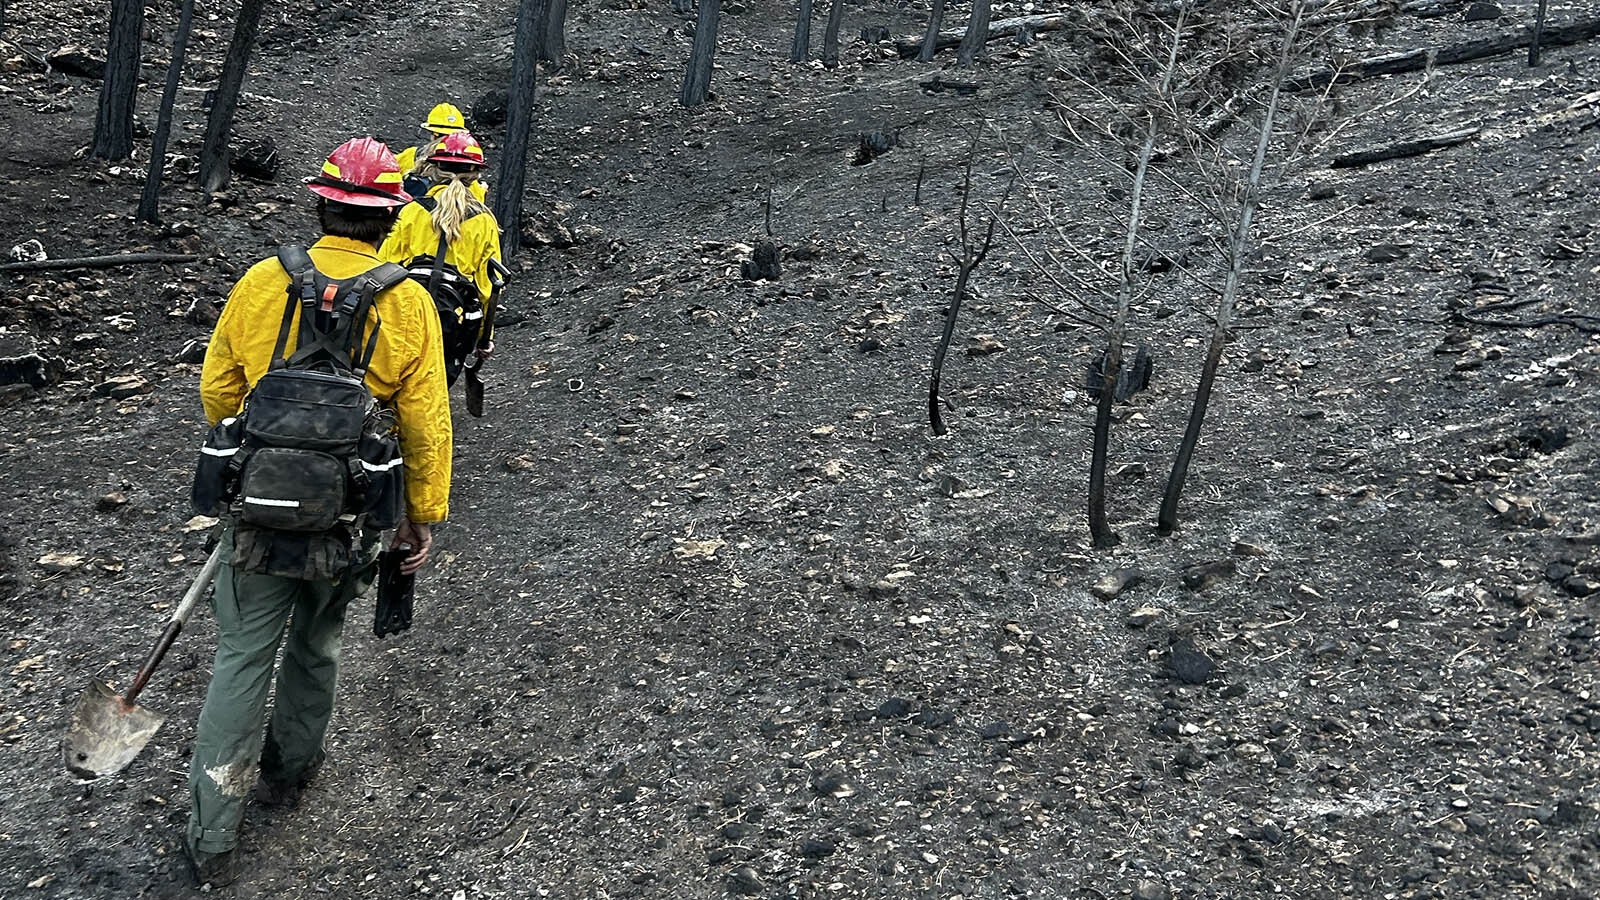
[
  {"x": 158, "y": 150},
  {"x": 830, "y": 37},
  {"x": 930, "y": 41},
  {"x": 697, "y": 78},
  {"x": 802, "y": 33},
  {"x": 219, "y": 124},
  {"x": 519, "y": 122},
  {"x": 553, "y": 36},
  {"x": 977, "y": 34},
  {"x": 113, "y": 123},
  {"x": 1538, "y": 35}
]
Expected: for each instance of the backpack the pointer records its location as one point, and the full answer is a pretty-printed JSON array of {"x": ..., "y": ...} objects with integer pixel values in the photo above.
[
  {"x": 312, "y": 453},
  {"x": 455, "y": 296}
]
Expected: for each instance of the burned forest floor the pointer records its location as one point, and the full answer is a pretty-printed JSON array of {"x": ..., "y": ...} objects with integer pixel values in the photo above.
[{"x": 716, "y": 614}]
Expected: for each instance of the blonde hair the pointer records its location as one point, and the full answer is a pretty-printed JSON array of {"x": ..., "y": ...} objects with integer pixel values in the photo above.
[{"x": 455, "y": 204}]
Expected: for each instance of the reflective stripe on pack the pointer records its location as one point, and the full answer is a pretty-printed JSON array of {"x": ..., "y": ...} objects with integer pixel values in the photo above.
[
  {"x": 268, "y": 501},
  {"x": 381, "y": 467},
  {"x": 473, "y": 315},
  {"x": 219, "y": 451}
]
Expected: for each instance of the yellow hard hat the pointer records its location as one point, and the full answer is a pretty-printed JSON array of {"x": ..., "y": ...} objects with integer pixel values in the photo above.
[{"x": 445, "y": 118}]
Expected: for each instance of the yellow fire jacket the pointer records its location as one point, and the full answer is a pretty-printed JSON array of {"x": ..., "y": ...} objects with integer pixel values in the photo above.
[
  {"x": 414, "y": 236},
  {"x": 408, "y": 161},
  {"x": 407, "y": 372}
]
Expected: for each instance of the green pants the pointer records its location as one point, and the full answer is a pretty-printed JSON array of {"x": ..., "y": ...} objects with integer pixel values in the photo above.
[{"x": 253, "y": 614}]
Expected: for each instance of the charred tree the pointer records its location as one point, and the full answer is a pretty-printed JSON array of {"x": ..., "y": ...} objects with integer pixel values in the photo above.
[
  {"x": 801, "y": 48},
  {"x": 519, "y": 123},
  {"x": 972, "y": 254},
  {"x": 1538, "y": 35},
  {"x": 830, "y": 37},
  {"x": 214, "y": 155},
  {"x": 697, "y": 78},
  {"x": 930, "y": 41},
  {"x": 553, "y": 37},
  {"x": 1249, "y": 200},
  {"x": 977, "y": 34},
  {"x": 158, "y": 149},
  {"x": 113, "y": 123}
]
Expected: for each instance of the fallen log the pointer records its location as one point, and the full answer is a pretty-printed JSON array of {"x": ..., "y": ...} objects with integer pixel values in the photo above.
[
  {"x": 1425, "y": 57},
  {"x": 1403, "y": 149},
  {"x": 947, "y": 40},
  {"x": 96, "y": 262}
]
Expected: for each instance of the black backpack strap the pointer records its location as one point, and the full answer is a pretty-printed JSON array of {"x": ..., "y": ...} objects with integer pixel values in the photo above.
[
  {"x": 427, "y": 203},
  {"x": 369, "y": 285},
  {"x": 438, "y": 268},
  {"x": 302, "y": 290}
]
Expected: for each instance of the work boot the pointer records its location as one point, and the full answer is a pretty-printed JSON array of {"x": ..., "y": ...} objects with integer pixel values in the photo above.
[
  {"x": 215, "y": 869},
  {"x": 286, "y": 794}
]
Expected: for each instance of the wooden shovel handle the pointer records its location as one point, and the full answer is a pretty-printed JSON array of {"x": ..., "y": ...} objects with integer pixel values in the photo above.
[{"x": 208, "y": 572}]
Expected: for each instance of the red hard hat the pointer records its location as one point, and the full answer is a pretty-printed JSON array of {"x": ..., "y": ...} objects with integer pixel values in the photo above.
[
  {"x": 458, "y": 147},
  {"x": 361, "y": 172}
]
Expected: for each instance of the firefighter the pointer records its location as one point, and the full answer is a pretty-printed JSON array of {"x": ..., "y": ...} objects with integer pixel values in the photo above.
[
  {"x": 360, "y": 194},
  {"x": 451, "y": 216},
  {"x": 442, "y": 120}
]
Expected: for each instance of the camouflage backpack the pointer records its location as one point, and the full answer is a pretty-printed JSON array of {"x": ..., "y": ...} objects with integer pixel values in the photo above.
[{"x": 312, "y": 458}]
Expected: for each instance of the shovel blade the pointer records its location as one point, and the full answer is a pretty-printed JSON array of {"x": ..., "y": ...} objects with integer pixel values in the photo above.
[
  {"x": 474, "y": 393},
  {"x": 106, "y": 733}
]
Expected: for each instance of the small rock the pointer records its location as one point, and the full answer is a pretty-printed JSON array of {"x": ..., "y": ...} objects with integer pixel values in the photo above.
[
  {"x": 1482, "y": 12},
  {"x": 893, "y": 708},
  {"x": 994, "y": 730},
  {"x": 1114, "y": 583},
  {"x": 817, "y": 848},
  {"x": 77, "y": 61},
  {"x": 744, "y": 880},
  {"x": 1321, "y": 192},
  {"x": 1386, "y": 253},
  {"x": 983, "y": 345},
  {"x": 870, "y": 345},
  {"x": 832, "y": 784},
  {"x": 1186, "y": 663},
  {"x": 763, "y": 264},
  {"x": 60, "y": 562},
  {"x": 1143, "y": 616},
  {"x": 1151, "y": 890},
  {"x": 738, "y": 831},
  {"x": 883, "y": 590},
  {"x": 111, "y": 502},
  {"x": 1200, "y": 576},
  {"x": 122, "y": 387},
  {"x": 1247, "y": 548}
]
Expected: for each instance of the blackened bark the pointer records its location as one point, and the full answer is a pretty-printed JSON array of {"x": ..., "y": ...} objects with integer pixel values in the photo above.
[
  {"x": 158, "y": 151},
  {"x": 1538, "y": 35},
  {"x": 802, "y": 33},
  {"x": 555, "y": 32},
  {"x": 113, "y": 123},
  {"x": 830, "y": 38},
  {"x": 930, "y": 41},
  {"x": 977, "y": 34},
  {"x": 697, "y": 77},
  {"x": 519, "y": 122},
  {"x": 219, "y": 124}
]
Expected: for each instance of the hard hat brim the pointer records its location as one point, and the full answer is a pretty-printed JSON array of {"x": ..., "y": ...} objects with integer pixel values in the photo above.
[{"x": 359, "y": 198}]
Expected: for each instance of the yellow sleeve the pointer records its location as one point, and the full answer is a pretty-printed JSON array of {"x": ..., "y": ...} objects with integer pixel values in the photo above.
[
  {"x": 422, "y": 406},
  {"x": 407, "y": 160},
  {"x": 223, "y": 384}
]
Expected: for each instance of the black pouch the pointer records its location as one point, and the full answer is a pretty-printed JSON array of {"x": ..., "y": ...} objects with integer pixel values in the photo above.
[
  {"x": 396, "y": 592},
  {"x": 216, "y": 473},
  {"x": 323, "y": 556},
  {"x": 292, "y": 490},
  {"x": 308, "y": 409},
  {"x": 384, "y": 499}
]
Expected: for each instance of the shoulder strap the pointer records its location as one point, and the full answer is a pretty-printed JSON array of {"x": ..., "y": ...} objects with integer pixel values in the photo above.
[
  {"x": 302, "y": 288},
  {"x": 427, "y": 203}
]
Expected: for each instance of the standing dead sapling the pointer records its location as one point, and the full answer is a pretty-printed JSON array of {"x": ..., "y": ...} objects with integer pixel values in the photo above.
[
  {"x": 158, "y": 150},
  {"x": 519, "y": 123},
  {"x": 1249, "y": 198}
]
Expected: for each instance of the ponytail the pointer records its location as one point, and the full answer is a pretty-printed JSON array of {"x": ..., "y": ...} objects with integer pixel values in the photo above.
[{"x": 454, "y": 205}]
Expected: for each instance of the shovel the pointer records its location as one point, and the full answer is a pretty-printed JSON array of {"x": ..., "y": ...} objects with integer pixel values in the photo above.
[{"x": 109, "y": 730}]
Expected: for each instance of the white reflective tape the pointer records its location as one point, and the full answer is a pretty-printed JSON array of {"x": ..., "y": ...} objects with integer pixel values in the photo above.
[
  {"x": 473, "y": 315},
  {"x": 268, "y": 501},
  {"x": 229, "y": 420},
  {"x": 215, "y": 451},
  {"x": 381, "y": 467}
]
